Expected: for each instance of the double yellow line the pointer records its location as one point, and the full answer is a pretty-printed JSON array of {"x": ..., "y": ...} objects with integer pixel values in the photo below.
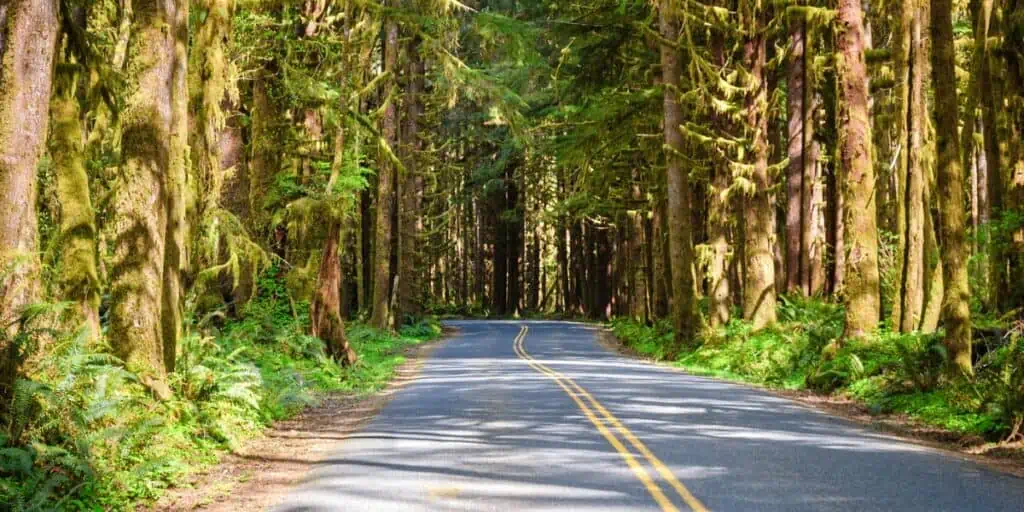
[{"x": 589, "y": 406}]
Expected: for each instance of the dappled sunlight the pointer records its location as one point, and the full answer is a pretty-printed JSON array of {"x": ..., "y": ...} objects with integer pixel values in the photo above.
[{"x": 481, "y": 429}]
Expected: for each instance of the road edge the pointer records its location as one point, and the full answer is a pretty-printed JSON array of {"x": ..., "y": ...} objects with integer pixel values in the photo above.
[{"x": 265, "y": 469}]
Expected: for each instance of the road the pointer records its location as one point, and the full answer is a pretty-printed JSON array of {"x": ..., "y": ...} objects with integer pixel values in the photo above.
[{"x": 518, "y": 416}]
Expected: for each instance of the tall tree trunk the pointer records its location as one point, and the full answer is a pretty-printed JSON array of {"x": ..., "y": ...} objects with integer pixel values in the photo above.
[
  {"x": 265, "y": 159},
  {"x": 514, "y": 232},
  {"x": 991, "y": 104},
  {"x": 956, "y": 304},
  {"x": 79, "y": 275},
  {"x": 659, "y": 277},
  {"x": 500, "y": 258},
  {"x": 142, "y": 200},
  {"x": 795, "y": 219},
  {"x": 759, "y": 284},
  {"x": 911, "y": 124},
  {"x": 637, "y": 260},
  {"x": 685, "y": 317},
  {"x": 718, "y": 233},
  {"x": 385, "y": 198},
  {"x": 861, "y": 280},
  {"x": 810, "y": 259},
  {"x": 175, "y": 248},
  {"x": 409, "y": 191},
  {"x": 27, "y": 44}
]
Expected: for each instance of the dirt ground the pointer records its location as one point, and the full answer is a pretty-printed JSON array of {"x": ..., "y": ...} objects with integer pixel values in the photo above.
[{"x": 265, "y": 469}]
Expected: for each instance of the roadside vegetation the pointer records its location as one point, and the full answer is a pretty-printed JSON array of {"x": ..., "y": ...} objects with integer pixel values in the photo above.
[
  {"x": 889, "y": 372},
  {"x": 85, "y": 434}
]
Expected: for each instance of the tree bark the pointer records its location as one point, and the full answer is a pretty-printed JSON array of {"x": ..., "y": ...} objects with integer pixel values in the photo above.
[
  {"x": 382, "y": 318},
  {"x": 956, "y": 304},
  {"x": 685, "y": 317},
  {"x": 796, "y": 222},
  {"x": 79, "y": 274},
  {"x": 908, "y": 309},
  {"x": 141, "y": 202},
  {"x": 410, "y": 220},
  {"x": 325, "y": 308},
  {"x": 860, "y": 289},
  {"x": 27, "y": 44},
  {"x": 175, "y": 248},
  {"x": 759, "y": 283}
]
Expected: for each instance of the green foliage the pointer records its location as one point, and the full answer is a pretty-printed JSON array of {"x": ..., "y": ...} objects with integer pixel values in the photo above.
[{"x": 83, "y": 433}]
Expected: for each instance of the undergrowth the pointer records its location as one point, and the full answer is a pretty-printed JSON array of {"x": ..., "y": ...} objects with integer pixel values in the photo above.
[
  {"x": 889, "y": 372},
  {"x": 84, "y": 434}
]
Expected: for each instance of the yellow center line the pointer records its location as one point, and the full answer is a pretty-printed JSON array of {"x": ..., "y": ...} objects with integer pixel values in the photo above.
[
  {"x": 659, "y": 466},
  {"x": 638, "y": 470}
]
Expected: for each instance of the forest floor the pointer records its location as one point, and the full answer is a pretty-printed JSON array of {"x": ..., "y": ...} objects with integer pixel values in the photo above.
[
  {"x": 1006, "y": 457},
  {"x": 259, "y": 474}
]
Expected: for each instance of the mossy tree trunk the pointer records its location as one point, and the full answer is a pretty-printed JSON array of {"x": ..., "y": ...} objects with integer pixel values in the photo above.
[
  {"x": 796, "y": 220},
  {"x": 910, "y": 128},
  {"x": 409, "y": 191},
  {"x": 382, "y": 315},
  {"x": 956, "y": 304},
  {"x": 860, "y": 288},
  {"x": 79, "y": 275},
  {"x": 637, "y": 261},
  {"x": 175, "y": 245},
  {"x": 659, "y": 277},
  {"x": 325, "y": 308},
  {"x": 27, "y": 46},
  {"x": 142, "y": 203},
  {"x": 759, "y": 283},
  {"x": 685, "y": 317},
  {"x": 28, "y": 40}
]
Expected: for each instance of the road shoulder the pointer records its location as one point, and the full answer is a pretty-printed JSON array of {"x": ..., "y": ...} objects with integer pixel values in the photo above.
[{"x": 263, "y": 471}]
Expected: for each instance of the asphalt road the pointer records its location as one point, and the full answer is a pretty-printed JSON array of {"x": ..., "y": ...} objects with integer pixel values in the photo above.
[{"x": 490, "y": 425}]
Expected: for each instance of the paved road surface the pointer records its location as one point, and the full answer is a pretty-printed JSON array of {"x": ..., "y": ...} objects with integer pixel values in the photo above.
[{"x": 559, "y": 423}]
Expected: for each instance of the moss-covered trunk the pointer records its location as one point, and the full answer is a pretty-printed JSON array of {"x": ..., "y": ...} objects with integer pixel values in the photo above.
[
  {"x": 325, "y": 308},
  {"x": 860, "y": 288},
  {"x": 685, "y": 317},
  {"x": 175, "y": 240},
  {"x": 796, "y": 221},
  {"x": 79, "y": 277},
  {"x": 142, "y": 201},
  {"x": 409, "y": 292},
  {"x": 956, "y": 304},
  {"x": 382, "y": 315},
  {"x": 759, "y": 283},
  {"x": 910, "y": 129},
  {"x": 27, "y": 46}
]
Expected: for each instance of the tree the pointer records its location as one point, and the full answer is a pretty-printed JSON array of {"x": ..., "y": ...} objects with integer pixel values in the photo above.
[
  {"x": 860, "y": 288},
  {"x": 142, "y": 202},
  {"x": 759, "y": 277},
  {"x": 27, "y": 44},
  {"x": 956, "y": 304},
  {"x": 79, "y": 280},
  {"x": 382, "y": 314},
  {"x": 685, "y": 317}
]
